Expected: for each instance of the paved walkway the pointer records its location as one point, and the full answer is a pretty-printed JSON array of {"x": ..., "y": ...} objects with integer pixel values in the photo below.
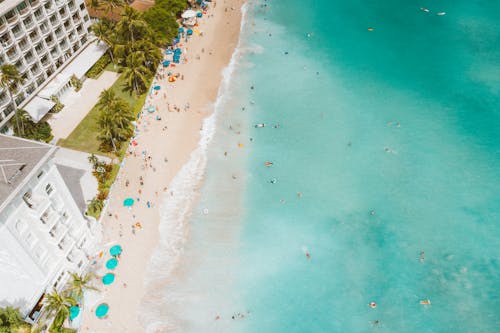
[{"x": 78, "y": 104}]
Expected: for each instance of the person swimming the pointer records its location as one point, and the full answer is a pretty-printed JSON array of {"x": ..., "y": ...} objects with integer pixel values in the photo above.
[{"x": 372, "y": 305}]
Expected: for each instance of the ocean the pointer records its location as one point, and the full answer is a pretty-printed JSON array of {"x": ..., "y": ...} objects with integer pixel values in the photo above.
[{"x": 375, "y": 180}]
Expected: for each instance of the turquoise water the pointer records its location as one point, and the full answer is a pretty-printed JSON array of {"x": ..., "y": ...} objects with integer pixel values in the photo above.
[{"x": 388, "y": 146}]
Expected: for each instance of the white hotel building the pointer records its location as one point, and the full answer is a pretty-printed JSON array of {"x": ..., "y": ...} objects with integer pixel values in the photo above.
[
  {"x": 43, "y": 231},
  {"x": 48, "y": 41}
]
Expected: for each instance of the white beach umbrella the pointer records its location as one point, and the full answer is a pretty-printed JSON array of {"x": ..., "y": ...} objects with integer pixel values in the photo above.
[{"x": 188, "y": 14}]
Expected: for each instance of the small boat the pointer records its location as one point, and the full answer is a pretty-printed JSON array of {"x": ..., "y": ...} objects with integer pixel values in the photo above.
[
  {"x": 425, "y": 302},
  {"x": 424, "y": 9},
  {"x": 441, "y": 13},
  {"x": 268, "y": 163},
  {"x": 260, "y": 125}
]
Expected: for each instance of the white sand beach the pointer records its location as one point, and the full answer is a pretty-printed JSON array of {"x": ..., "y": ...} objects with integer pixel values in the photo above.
[{"x": 163, "y": 147}]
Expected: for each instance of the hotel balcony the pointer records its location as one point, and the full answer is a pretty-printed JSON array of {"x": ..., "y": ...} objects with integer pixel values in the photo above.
[
  {"x": 3, "y": 27},
  {"x": 65, "y": 244},
  {"x": 59, "y": 33},
  {"x": 24, "y": 45},
  {"x": 44, "y": 28},
  {"x": 4, "y": 100},
  {"x": 54, "y": 53},
  {"x": 21, "y": 67},
  {"x": 40, "y": 50},
  {"x": 60, "y": 3},
  {"x": 36, "y": 70},
  {"x": 18, "y": 33},
  {"x": 74, "y": 256},
  {"x": 39, "y": 16},
  {"x": 14, "y": 55},
  {"x": 28, "y": 25},
  {"x": 35, "y": 3},
  {"x": 6, "y": 42},
  {"x": 46, "y": 63},
  {"x": 50, "y": 42},
  {"x": 30, "y": 59},
  {"x": 35, "y": 37},
  {"x": 58, "y": 231},
  {"x": 13, "y": 19},
  {"x": 24, "y": 11},
  {"x": 49, "y": 8},
  {"x": 63, "y": 14}
]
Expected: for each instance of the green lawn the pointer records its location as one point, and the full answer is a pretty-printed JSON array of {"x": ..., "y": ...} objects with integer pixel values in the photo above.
[{"x": 84, "y": 136}]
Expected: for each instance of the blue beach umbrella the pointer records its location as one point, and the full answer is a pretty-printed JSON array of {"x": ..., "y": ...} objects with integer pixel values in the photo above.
[
  {"x": 169, "y": 51},
  {"x": 190, "y": 32},
  {"x": 199, "y": 14},
  {"x": 115, "y": 250},
  {"x": 181, "y": 29},
  {"x": 108, "y": 278},
  {"x": 128, "y": 202},
  {"x": 151, "y": 109},
  {"x": 74, "y": 311},
  {"x": 156, "y": 87},
  {"x": 102, "y": 310},
  {"x": 166, "y": 63},
  {"x": 111, "y": 263},
  {"x": 177, "y": 51}
]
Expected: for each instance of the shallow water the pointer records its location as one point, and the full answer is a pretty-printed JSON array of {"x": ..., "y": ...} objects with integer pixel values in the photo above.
[{"x": 391, "y": 137}]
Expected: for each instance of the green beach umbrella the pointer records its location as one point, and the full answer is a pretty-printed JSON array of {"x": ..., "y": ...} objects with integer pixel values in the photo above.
[
  {"x": 108, "y": 278},
  {"x": 74, "y": 311},
  {"x": 128, "y": 202},
  {"x": 102, "y": 310},
  {"x": 115, "y": 250},
  {"x": 111, "y": 263}
]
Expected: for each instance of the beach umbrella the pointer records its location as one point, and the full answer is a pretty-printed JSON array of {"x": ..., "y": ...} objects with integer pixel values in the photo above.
[
  {"x": 181, "y": 29},
  {"x": 151, "y": 109},
  {"x": 199, "y": 14},
  {"x": 190, "y": 32},
  {"x": 74, "y": 311},
  {"x": 108, "y": 278},
  {"x": 128, "y": 202},
  {"x": 156, "y": 87},
  {"x": 111, "y": 263},
  {"x": 188, "y": 14},
  {"x": 102, "y": 310},
  {"x": 166, "y": 63},
  {"x": 115, "y": 250}
]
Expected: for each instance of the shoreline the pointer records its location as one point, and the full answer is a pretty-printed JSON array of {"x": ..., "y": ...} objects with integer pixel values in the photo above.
[{"x": 164, "y": 147}]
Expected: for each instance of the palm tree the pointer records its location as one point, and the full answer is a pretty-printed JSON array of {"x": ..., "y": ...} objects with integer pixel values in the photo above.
[
  {"x": 94, "y": 5},
  {"x": 110, "y": 5},
  {"x": 107, "y": 99},
  {"x": 95, "y": 205},
  {"x": 80, "y": 283},
  {"x": 107, "y": 129},
  {"x": 103, "y": 30},
  {"x": 58, "y": 304},
  {"x": 22, "y": 117},
  {"x": 131, "y": 26},
  {"x": 151, "y": 52},
  {"x": 10, "y": 79},
  {"x": 122, "y": 117},
  {"x": 136, "y": 74}
]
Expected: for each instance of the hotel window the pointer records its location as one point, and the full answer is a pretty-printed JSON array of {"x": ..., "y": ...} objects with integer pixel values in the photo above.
[
  {"x": 49, "y": 189},
  {"x": 40, "y": 174},
  {"x": 27, "y": 199}
]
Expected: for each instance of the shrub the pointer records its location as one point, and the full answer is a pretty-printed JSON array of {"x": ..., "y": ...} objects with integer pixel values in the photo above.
[{"x": 98, "y": 67}]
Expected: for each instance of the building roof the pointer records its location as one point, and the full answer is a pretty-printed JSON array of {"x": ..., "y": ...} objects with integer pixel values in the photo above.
[
  {"x": 78, "y": 67},
  {"x": 38, "y": 107},
  {"x": 71, "y": 177},
  {"x": 18, "y": 159}
]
